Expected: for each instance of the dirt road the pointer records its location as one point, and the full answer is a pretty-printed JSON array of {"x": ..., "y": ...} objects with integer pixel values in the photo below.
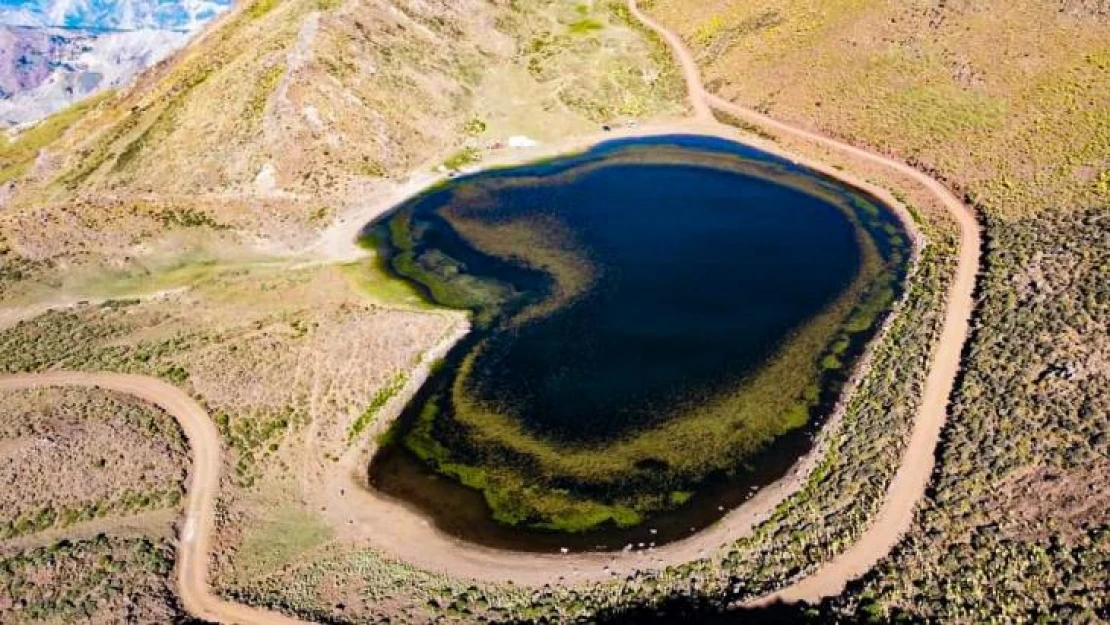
[
  {"x": 690, "y": 71},
  {"x": 202, "y": 487},
  {"x": 912, "y": 478},
  {"x": 405, "y": 534}
]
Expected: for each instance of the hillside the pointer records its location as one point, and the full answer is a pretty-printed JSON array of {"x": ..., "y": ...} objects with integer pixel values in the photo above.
[
  {"x": 288, "y": 115},
  {"x": 1009, "y": 102},
  {"x": 179, "y": 229}
]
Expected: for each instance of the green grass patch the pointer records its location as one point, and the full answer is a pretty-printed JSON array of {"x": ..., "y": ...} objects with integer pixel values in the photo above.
[
  {"x": 381, "y": 398},
  {"x": 462, "y": 158},
  {"x": 18, "y": 154},
  {"x": 373, "y": 279},
  {"x": 264, "y": 88},
  {"x": 281, "y": 537},
  {"x": 585, "y": 26},
  {"x": 260, "y": 8}
]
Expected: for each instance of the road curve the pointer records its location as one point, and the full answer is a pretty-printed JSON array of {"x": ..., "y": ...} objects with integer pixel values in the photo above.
[
  {"x": 201, "y": 490},
  {"x": 912, "y": 478},
  {"x": 690, "y": 71}
]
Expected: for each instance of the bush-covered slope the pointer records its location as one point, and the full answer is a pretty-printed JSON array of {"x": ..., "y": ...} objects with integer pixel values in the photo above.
[{"x": 1010, "y": 103}]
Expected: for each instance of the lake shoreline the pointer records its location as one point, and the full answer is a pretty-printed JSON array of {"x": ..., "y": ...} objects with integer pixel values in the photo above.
[
  {"x": 776, "y": 391},
  {"x": 407, "y": 535}
]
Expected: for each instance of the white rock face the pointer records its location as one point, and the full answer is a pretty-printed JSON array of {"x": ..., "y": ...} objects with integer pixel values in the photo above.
[
  {"x": 56, "y": 52},
  {"x": 86, "y": 65},
  {"x": 102, "y": 15}
]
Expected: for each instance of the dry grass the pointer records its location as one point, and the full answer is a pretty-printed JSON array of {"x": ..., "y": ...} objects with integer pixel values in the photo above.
[
  {"x": 1005, "y": 99},
  {"x": 73, "y": 455},
  {"x": 81, "y": 462},
  {"x": 1009, "y": 103},
  {"x": 281, "y": 121},
  {"x": 269, "y": 350}
]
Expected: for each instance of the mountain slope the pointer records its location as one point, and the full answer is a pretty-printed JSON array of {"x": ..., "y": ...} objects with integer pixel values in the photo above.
[
  {"x": 55, "y": 52},
  {"x": 289, "y": 113},
  {"x": 43, "y": 70}
]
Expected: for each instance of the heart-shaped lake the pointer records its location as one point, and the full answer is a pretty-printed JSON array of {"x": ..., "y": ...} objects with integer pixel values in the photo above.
[{"x": 657, "y": 323}]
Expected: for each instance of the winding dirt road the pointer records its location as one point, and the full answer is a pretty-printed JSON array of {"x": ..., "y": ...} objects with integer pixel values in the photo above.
[
  {"x": 201, "y": 490},
  {"x": 403, "y": 533}
]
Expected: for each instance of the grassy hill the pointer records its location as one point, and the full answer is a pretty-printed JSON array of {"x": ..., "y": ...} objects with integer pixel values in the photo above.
[
  {"x": 1009, "y": 102},
  {"x": 159, "y": 230},
  {"x": 287, "y": 113}
]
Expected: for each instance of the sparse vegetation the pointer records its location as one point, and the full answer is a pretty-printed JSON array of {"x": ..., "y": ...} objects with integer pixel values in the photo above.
[
  {"x": 74, "y": 455},
  {"x": 381, "y": 398},
  {"x": 1004, "y": 101},
  {"x": 1010, "y": 530},
  {"x": 98, "y": 580},
  {"x": 18, "y": 154},
  {"x": 462, "y": 158},
  {"x": 214, "y": 348}
]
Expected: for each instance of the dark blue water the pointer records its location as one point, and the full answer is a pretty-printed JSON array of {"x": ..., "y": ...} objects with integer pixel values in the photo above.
[
  {"x": 698, "y": 274},
  {"x": 699, "y": 279}
]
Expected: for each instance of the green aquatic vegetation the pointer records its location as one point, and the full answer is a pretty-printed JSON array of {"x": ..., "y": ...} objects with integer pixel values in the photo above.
[
  {"x": 447, "y": 285},
  {"x": 537, "y": 242},
  {"x": 778, "y": 399}
]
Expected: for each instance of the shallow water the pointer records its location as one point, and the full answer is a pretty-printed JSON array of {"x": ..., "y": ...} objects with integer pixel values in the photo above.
[{"x": 651, "y": 319}]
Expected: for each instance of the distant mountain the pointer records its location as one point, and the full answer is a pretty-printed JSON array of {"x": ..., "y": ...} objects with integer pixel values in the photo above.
[
  {"x": 55, "y": 52},
  {"x": 111, "y": 14}
]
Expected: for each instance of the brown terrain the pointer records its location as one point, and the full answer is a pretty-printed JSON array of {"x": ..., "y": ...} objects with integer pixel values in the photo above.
[
  {"x": 109, "y": 452},
  {"x": 79, "y": 466},
  {"x": 187, "y": 248},
  {"x": 445, "y": 555},
  {"x": 1008, "y": 104}
]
